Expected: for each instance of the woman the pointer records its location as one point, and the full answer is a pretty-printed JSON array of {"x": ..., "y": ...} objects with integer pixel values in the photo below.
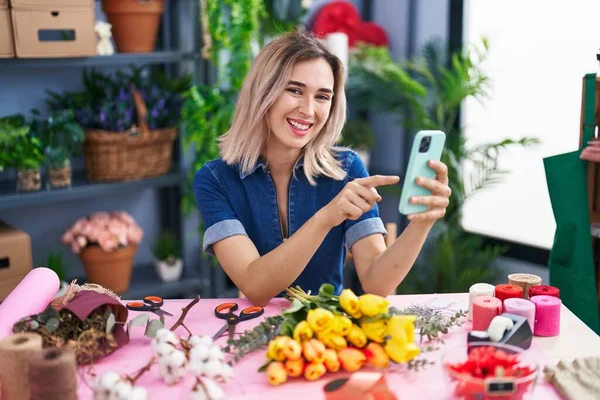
[{"x": 282, "y": 203}]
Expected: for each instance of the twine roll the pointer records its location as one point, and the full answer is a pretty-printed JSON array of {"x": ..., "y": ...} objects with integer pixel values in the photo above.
[
  {"x": 547, "y": 315},
  {"x": 526, "y": 281},
  {"x": 544, "y": 290},
  {"x": 476, "y": 290},
  {"x": 507, "y": 291},
  {"x": 485, "y": 308},
  {"x": 14, "y": 364},
  {"x": 53, "y": 374},
  {"x": 522, "y": 307}
]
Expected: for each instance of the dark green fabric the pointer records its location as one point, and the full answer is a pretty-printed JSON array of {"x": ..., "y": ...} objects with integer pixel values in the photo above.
[{"x": 571, "y": 259}]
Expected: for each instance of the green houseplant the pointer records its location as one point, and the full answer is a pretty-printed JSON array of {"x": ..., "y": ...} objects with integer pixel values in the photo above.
[
  {"x": 12, "y": 127},
  {"x": 426, "y": 93},
  {"x": 167, "y": 257},
  {"x": 358, "y": 135},
  {"x": 24, "y": 151},
  {"x": 62, "y": 137}
]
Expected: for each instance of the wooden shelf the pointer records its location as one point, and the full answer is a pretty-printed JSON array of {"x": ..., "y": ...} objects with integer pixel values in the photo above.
[
  {"x": 81, "y": 189},
  {"x": 158, "y": 57}
]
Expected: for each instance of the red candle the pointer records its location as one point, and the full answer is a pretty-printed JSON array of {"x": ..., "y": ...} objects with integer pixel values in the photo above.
[
  {"x": 545, "y": 290},
  {"x": 508, "y": 291}
]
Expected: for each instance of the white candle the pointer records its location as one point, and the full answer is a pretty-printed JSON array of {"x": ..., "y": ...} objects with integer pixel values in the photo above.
[{"x": 337, "y": 43}]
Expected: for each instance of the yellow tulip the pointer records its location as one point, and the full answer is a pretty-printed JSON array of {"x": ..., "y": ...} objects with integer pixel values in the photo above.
[
  {"x": 372, "y": 305},
  {"x": 302, "y": 332},
  {"x": 375, "y": 331},
  {"x": 331, "y": 360},
  {"x": 400, "y": 352},
  {"x": 294, "y": 368},
  {"x": 276, "y": 349},
  {"x": 349, "y": 303},
  {"x": 341, "y": 325},
  {"x": 319, "y": 320},
  {"x": 292, "y": 350},
  {"x": 356, "y": 336},
  {"x": 276, "y": 373},
  {"x": 314, "y": 351},
  {"x": 333, "y": 341},
  {"x": 376, "y": 355},
  {"x": 402, "y": 328},
  {"x": 351, "y": 359},
  {"x": 314, "y": 371}
]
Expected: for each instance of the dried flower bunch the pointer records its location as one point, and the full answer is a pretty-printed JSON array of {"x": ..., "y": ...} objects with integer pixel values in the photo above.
[{"x": 109, "y": 230}]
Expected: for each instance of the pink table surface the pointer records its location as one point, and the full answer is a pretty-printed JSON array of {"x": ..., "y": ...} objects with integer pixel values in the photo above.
[{"x": 249, "y": 384}]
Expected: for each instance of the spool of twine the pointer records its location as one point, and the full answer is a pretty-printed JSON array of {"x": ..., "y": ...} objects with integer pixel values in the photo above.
[
  {"x": 505, "y": 291},
  {"x": 522, "y": 307},
  {"x": 14, "y": 364},
  {"x": 53, "y": 375},
  {"x": 476, "y": 290},
  {"x": 547, "y": 315},
  {"x": 485, "y": 308},
  {"x": 526, "y": 281},
  {"x": 544, "y": 290}
]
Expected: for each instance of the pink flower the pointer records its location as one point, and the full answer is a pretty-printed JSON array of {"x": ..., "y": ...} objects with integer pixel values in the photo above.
[
  {"x": 67, "y": 237},
  {"x": 76, "y": 249},
  {"x": 107, "y": 241},
  {"x": 101, "y": 218},
  {"x": 81, "y": 241},
  {"x": 78, "y": 225},
  {"x": 126, "y": 218},
  {"x": 116, "y": 227},
  {"x": 134, "y": 234}
]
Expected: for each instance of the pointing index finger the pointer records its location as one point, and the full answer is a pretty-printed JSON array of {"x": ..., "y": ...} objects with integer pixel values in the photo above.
[{"x": 378, "y": 180}]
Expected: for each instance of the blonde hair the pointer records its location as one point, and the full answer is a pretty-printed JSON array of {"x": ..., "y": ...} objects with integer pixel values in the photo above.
[{"x": 245, "y": 141}]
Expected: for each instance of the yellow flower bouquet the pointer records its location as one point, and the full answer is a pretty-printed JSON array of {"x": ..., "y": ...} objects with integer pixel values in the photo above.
[{"x": 325, "y": 333}]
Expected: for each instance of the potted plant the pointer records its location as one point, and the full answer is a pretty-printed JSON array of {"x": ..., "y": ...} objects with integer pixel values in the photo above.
[
  {"x": 134, "y": 23},
  {"x": 55, "y": 262},
  {"x": 167, "y": 254},
  {"x": 106, "y": 243},
  {"x": 358, "y": 135},
  {"x": 62, "y": 138},
  {"x": 22, "y": 150}
]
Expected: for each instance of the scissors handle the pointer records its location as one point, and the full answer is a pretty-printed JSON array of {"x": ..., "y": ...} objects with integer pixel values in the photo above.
[
  {"x": 155, "y": 301},
  {"x": 137, "y": 306},
  {"x": 225, "y": 310},
  {"x": 251, "y": 312}
]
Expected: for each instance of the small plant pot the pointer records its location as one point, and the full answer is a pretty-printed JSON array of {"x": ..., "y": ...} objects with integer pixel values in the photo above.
[
  {"x": 169, "y": 272},
  {"x": 111, "y": 270},
  {"x": 29, "y": 180},
  {"x": 134, "y": 23},
  {"x": 60, "y": 177}
]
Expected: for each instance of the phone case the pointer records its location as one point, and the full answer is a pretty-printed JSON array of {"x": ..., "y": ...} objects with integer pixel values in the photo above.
[{"x": 417, "y": 166}]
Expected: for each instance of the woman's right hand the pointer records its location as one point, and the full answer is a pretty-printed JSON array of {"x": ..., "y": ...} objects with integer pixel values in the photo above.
[{"x": 355, "y": 199}]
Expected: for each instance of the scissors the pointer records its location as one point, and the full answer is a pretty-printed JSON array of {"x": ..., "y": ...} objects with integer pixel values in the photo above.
[
  {"x": 225, "y": 311},
  {"x": 150, "y": 303}
]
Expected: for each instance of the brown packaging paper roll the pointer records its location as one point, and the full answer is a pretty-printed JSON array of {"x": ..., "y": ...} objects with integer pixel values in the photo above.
[
  {"x": 14, "y": 363},
  {"x": 53, "y": 375},
  {"x": 525, "y": 281}
]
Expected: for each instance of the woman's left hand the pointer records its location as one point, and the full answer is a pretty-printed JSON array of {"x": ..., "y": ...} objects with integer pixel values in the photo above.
[{"x": 440, "y": 194}]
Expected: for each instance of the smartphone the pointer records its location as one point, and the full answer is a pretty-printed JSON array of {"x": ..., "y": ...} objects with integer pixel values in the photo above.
[{"x": 427, "y": 145}]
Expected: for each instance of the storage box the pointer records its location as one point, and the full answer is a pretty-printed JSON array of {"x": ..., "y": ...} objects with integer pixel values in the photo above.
[
  {"x": 7, "y": 49},
  {"x": 51, "y": 4},
  {"x": 15, "y": 258},
  {"x": 43, "y": 33}
]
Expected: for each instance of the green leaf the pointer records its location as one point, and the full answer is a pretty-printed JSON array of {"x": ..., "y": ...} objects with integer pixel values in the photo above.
[
  {"x": 152, "y": 327},
  {"x": 140, "y": 320},
  {"x": 263, "y": 367},
  {"x": 52, "y": 325},
  {"x": 296, "y": 306},
  {"x": 49, "y": 312}
]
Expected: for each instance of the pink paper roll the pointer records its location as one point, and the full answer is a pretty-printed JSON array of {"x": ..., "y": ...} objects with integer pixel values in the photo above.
[
  {"x": 522, "y": 307},
  {"x": 485, "y": 308},
  {"x": 31, "y": 296},
  {"x": 547, "y": 315}
]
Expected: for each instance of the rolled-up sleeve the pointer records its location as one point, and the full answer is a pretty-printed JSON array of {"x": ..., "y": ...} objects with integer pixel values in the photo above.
[
  {"x": 219, "y": 219},
  {"x": 369, "y": 223}
]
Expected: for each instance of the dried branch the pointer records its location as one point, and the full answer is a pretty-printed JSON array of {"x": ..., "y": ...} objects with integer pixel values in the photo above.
[{"x": 184, "y": 312}]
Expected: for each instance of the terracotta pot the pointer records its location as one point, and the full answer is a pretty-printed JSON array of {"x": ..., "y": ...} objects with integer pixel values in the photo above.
[
  {"x": 134, "y": 23},
  {"x": 111, "y": 270}
]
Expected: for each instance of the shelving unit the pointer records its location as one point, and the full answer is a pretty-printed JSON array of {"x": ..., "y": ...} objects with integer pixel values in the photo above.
[{"x": 178, "y": 52}]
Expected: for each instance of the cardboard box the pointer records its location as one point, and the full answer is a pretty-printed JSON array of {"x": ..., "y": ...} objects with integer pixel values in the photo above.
[
  {"x": 15, "y": 258},
  {"x": 3, "y": 3},
  {"x": 7, "y": 48},
  {"x": 47, "y": 4},
  {"x": 44, "y": 33}
]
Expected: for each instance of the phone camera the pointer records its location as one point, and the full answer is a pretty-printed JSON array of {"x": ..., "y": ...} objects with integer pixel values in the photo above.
[{"x": 425, "y": 143}]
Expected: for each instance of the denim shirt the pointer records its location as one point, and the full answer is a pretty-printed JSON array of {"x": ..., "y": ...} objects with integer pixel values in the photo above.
[{"x": 235, "y": 203}]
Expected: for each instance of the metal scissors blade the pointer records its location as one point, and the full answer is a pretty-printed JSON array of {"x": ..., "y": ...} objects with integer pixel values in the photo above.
[{"x": 221, "y": 331}]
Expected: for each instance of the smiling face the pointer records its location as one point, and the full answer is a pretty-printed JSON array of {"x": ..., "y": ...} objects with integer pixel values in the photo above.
[{"x": 303, "y": 107}]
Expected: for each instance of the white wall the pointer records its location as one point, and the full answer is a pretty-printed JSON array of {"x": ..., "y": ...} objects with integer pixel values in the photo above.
[{"x": 539, "y": 53}]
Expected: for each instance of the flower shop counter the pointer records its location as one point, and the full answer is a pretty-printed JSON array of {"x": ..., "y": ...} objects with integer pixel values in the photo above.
[{"x": 575, "y": 340}]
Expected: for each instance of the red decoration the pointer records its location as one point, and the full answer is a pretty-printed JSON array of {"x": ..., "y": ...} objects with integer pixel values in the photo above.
[
  {"x": 484, "y": 362},
  {"x": 507, "y": 291},
  {"x": 544, "y": 290},
  {"x": 342, "y": 16}
]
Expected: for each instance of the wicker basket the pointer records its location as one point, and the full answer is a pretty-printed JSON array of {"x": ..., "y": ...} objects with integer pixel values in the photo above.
[{"x": 140, "y": 153}]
